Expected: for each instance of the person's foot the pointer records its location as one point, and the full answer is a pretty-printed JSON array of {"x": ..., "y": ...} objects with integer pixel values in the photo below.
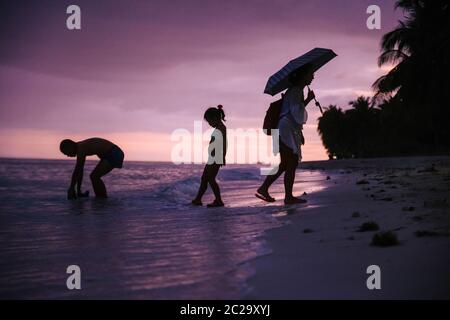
[
  {"x": 83, "y": 194},
  {"x": 216, "y": 203},
  {"x": 294, "y": 200},
  {"x": 264, "y": 195},
  {"x": 196, "y": 202}
]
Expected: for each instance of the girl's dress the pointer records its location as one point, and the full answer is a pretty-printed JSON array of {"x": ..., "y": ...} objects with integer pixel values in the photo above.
[{"x": 217, "y": 147}]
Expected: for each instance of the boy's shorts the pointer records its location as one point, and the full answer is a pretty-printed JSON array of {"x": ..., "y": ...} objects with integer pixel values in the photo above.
[{"x": 114, "y": 157}]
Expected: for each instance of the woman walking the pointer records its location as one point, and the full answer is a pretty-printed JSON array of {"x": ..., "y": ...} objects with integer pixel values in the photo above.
[{"x": 292, "y": 117}]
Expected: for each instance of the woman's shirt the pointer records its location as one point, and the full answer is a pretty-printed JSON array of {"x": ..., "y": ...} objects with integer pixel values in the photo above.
[
  {"x": 292, "y": 117},
  {"x": 294, "y": 107}
]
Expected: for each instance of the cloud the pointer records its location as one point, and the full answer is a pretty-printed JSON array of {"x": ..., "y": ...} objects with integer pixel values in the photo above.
[
  {"x": 125, "y": 39},
  {"x": 155, "y": 66}
]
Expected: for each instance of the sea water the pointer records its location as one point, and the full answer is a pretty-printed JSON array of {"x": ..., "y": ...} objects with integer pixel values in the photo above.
[{"x": 144, "y": 242}]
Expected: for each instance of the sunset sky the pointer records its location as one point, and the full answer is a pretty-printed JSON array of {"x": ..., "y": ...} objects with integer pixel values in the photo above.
[{"x": 138, "y": 70}]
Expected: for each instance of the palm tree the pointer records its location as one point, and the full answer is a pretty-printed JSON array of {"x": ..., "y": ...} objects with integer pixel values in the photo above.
[
  {"x": 419, "y": 48},
  {"x": 353, "y": 133},
  {"x": 363, "y": 118},
  {"x": 330, "y": 129}
]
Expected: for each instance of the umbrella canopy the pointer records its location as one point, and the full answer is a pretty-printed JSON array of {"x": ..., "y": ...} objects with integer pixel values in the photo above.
[{"x": 280, "y": 81}]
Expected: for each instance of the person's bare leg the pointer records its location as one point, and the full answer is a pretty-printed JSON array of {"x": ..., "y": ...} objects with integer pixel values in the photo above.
[
  {"x": 289, "y": 179},
  {"x": 201, "y": 191},
  {"x": 102, "y": 168},
  {"x": 215, "y": 188},
  {"x": 212, "y": 174},
  {"x": 271, "y": 179},
  {"x": 264, "y": 188}
]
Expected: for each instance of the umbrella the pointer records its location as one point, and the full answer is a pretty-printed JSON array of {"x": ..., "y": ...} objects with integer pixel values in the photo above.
[{"x": 317, "y": 57}]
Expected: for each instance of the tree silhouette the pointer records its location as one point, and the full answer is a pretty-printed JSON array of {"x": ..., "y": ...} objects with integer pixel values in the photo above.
[
  {"x": 331, "y": 129},
  {"x": 352, "y": 133},
  {"x": 410, "y": 111},
  {"x": 419, "y": 48}
]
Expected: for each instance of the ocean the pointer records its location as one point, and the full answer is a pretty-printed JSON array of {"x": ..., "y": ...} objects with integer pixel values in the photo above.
[{"x": 144, "y": 242}]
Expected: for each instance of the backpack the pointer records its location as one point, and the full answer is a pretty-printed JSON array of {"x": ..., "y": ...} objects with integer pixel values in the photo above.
[{"x": 272, "y": 116}]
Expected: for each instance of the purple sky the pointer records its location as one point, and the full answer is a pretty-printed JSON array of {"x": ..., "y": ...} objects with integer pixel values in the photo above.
[{"x": 140, "y": 69}]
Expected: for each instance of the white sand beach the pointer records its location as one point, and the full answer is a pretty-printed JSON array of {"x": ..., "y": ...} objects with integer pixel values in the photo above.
[{"x": 319, "y": 252}]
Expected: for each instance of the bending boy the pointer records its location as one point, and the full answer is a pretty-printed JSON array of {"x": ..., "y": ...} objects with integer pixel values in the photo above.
[{"x": 111, "y": 156}]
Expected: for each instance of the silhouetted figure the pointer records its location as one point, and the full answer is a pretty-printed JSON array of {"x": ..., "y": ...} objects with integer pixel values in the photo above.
[
  {"x": 216, "y": 156},
  {"x": 292, "y": 117},
  {"x": 111, "y": 156}
]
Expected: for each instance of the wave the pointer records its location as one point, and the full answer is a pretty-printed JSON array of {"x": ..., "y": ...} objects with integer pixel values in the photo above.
[
  {"x": 184, "y": 190},
  {"x": 178, "y": 192},
  {"x": 240, "y": 174}
]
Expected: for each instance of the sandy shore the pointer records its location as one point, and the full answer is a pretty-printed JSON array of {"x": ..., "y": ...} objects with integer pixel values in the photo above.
[{"x": 320, "y": 253}]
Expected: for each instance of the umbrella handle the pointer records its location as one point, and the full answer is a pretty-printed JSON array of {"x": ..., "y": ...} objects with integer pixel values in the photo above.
[{"x": 317, "y": 102}]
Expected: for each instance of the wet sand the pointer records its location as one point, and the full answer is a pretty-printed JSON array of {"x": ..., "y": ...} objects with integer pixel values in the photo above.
[{"x": 319, "y": 252}]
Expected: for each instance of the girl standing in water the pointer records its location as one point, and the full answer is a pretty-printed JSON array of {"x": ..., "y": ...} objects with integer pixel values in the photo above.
[{"x": 216, "y": 156}]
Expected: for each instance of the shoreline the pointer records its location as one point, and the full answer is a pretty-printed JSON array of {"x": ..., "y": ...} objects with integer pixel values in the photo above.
[
  {"x": 319, "y": 253},
  {"x": 312, "y": 164}
]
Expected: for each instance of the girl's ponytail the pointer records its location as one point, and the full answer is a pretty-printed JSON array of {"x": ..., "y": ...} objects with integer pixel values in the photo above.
[{"x": 222, "y": 113}]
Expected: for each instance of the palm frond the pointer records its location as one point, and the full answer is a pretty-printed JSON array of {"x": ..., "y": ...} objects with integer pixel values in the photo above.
[
  {"x": 396, "y": 38},
  {"x": 387, "y": 83},
  {"x": 407, "y": 5},
  {"x": 391, "y": 56}
]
